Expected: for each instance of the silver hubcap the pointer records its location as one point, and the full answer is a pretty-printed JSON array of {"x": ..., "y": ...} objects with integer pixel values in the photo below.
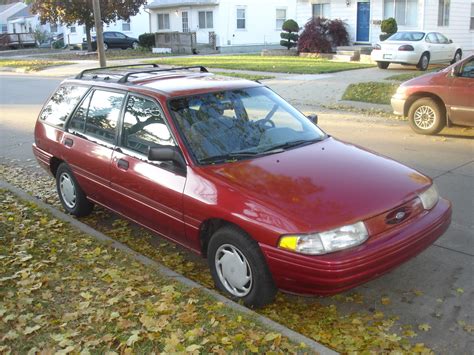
[
  {"x": 233, "y": 270},
  {"x": 106, "y": 46},
  {"x": 135, "y": 45},
  {"x": 68, "y": 190},
  {"x": 424, "y": 62},
  {"x": 424, "y": 117}
]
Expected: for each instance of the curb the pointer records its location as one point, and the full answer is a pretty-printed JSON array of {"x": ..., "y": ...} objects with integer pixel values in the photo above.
[{"x": 163, "y": 270}]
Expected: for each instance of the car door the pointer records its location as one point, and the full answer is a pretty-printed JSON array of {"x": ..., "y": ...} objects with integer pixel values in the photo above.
[
  {"x": 434, "y": 47},
  {"x": 461, "y": 94},
  {"x": 150, "y": 192},
  {"x": 446, "y": 49},
  {"x": 122, "y": 40},
  {"x": 111, "y": 39},
  {"x": 90, "y": 140}
]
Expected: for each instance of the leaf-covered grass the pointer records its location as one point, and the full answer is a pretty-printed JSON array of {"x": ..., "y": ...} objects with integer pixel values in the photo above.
[
  {"x": 411, "y": 75},
  {"x": 278, "y": 64},
  {"x": 373, "y": 92},
  {"x": 322, "y": 321},
  {"x": 112, "y": 54},
  {"x": 61, "y": 290},
  {"x": 31, "y": 65}
]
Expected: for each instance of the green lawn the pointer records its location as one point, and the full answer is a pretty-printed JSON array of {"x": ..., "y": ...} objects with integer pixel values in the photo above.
[
  {"x": 277, "y": 64},
  {"x": 31, "y": 65},
  {"x": 373, "y": 92},
  {"x": 253, "y": 77},
  {"x": 413, "y": 74}
]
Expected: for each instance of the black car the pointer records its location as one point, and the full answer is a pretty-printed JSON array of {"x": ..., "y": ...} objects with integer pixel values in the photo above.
[{"x": 114, "y": 39}]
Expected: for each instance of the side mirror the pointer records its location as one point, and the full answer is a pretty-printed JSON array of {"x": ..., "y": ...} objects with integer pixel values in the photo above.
[
  {"x": 166, "y": 153},
  {"x": 313, "y": 118},
  {"x": 450, "y": 41}
]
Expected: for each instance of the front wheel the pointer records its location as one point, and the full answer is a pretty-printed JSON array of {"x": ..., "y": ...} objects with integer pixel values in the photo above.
[
  {"x": 135, "y": 45},
  {"x": 239, "y": 268},
  {"x": 70, "y": 193},
  {"x": 457, "y": 57},
  {"x": 426, "y": 117},
  {"x": 383, "y": 65},
  {"x": 106, "y": 46}
]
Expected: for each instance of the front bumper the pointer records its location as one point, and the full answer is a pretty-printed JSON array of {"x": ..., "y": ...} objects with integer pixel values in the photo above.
[
  {"x": 340, "y": 271},
  {"x": 398, "y": 105}
]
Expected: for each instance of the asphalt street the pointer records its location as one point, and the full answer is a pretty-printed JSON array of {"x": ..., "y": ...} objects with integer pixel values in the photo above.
[{"x": 443, "y": 274}]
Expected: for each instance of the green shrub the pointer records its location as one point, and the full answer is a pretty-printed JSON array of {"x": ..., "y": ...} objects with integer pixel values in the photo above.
[
  {"x": 388, "y": 27},
  {"x": 146, "y": 40},
  {"x": 289, "y": 38}
]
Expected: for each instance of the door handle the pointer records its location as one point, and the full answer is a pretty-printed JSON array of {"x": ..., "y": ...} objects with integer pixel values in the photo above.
[
  {"x": 122, "y": 164},
  {"x": 68, "y": 142}
]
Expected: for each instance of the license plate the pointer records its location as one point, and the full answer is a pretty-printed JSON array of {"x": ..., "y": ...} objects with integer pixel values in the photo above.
[{"x": 387, "y": 56}]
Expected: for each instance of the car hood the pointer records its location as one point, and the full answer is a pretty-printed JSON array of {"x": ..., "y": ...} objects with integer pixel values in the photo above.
[{"x": 323, "y": 185}]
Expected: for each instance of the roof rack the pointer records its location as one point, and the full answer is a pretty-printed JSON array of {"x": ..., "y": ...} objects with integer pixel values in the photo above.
[
  {"x": 124, "y": 78},
  {"x": 126, "y": 75},
  {"x": 86, "y": 71}
]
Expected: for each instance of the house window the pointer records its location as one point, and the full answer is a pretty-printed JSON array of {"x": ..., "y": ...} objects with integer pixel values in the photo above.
[
  {"x": 472, "y": 16},
  {"x": 54, "y": 28},
  {"x": 322, "y": 10},
  {"x": 280, "y": 18},
  {"x": 126, "y": 26},
  {"x": 163, "y": 21},
  {"x": 241, "y": 19},
  {"x": 73, "y": 29},
  {"x": 4, "y": 28},
  {"x": 206, "y": 19},
  {"x": 443, "y": 12},
  {"x": 405, "y": 12}
]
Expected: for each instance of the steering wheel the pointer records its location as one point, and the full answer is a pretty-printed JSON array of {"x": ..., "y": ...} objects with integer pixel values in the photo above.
[{"x": 266, "y": 121}]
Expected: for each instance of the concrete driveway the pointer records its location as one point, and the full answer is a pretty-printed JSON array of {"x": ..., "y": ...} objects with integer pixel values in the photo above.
[{"x": 435, "y": 288}]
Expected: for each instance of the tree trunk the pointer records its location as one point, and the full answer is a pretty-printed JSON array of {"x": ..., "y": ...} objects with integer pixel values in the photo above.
[{"x": 89, "y": 38}]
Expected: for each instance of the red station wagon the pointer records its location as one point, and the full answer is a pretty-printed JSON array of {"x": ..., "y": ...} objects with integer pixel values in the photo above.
[{"x": 228, "y": 169}]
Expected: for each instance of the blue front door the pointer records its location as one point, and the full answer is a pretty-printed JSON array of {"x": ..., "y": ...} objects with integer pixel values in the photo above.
[{"x": 363, "y": 21}]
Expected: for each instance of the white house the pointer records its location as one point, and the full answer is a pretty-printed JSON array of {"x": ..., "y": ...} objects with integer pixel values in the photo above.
[
  {"x": 6, "y": 11},
  {"x": 137, "y": 25},
  {"x": 246, "y": 25},
  {"x": 238, "y": 24},
  {"x": 454, "y": 18}
]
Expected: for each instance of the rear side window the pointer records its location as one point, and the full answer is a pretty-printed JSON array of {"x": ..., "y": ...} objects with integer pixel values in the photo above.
[
  {"x": 98, "y": 115},
  {"x": 61, "y": 104},
  {"x": 144, "y": 125}
]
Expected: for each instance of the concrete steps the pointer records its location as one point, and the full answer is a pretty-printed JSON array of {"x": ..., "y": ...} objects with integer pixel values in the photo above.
[{"x": 351, "y": 53}]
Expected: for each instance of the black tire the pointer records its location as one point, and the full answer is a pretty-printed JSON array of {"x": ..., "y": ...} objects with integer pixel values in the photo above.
[
  {"x": 457, "y": 56},
  {"x": 134, "y": 45},
  {"x": 383, "y": 65},
  {"x": 261, "y": 289},
  {"x": 426, "y": 116},
  {"x": 79, "y": 205},
  {"x": 424, "y": 62}
]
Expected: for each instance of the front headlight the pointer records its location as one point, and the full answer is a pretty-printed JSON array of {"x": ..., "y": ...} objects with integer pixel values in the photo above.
[
  {"x": 326, "y": 242},
  {"x": 429, "y": 197}
]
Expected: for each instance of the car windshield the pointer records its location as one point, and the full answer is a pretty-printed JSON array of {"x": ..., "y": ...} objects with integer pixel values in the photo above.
[
  {"x": 232, "y": 125},
  {"x": 407, "y": 36}
]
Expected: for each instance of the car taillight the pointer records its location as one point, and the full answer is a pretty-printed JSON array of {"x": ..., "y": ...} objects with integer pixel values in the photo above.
[
  {"x": 406, "y": 47},
  {"x": 377, "y": 47}
]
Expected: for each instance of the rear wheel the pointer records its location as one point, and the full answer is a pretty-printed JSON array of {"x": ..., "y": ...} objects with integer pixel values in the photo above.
[
  {"x": 70, "y": 193},
  {"x": 106, "y": 46},
  {"x": 239, "y": 268},
  {"x": 426, "y": 117},
  {"x": 383, "y": 65},
  {"x": 424, "y": 62}
]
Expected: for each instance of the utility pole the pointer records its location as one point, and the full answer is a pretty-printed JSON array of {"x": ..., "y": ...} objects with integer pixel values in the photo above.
[{"x": 99, "y": 35}]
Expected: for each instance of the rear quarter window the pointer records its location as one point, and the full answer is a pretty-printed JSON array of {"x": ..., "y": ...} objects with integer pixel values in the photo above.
[{"x": 61, "y": 104}]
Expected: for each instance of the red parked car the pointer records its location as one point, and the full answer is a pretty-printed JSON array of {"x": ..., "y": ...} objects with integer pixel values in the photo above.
[
  {"x": 438, "y": 99},
  {"x": 228, "y": 169}
]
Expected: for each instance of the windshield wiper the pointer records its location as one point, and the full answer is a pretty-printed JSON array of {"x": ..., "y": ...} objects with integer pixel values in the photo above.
[
  {"x": 228, "y": 157},
  {"x": 292, "y": 144}
]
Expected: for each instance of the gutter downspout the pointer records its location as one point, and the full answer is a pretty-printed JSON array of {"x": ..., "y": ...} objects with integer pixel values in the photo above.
[
  {"x": 149, "y": 19},
  {"x": 423, "y": 14}
]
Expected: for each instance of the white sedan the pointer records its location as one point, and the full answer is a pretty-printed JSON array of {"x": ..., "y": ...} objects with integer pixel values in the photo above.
[{"x": 419, "y": 48}]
